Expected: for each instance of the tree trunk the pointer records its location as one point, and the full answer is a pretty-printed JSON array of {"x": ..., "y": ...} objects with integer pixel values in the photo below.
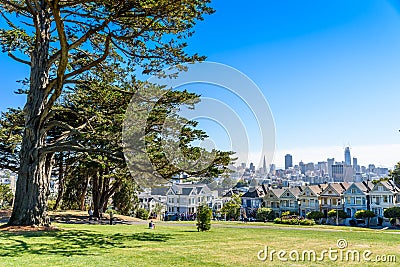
[
  {"x": 30, "y": 206},
  {"x": 84, "y": 192},
  {"x": 97, "y": 209},
  {"x": 60, "y": 182}
]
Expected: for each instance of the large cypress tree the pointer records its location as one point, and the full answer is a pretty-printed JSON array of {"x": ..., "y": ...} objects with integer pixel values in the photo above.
[{"x": 62, "y": 41}]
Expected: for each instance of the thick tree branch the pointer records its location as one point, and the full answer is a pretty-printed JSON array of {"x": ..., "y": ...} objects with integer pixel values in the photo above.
[{"x": 11, "y": 55}]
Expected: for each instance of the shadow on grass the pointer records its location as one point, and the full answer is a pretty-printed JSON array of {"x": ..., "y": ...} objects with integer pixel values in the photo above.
[{"x": 71, "y": 242}]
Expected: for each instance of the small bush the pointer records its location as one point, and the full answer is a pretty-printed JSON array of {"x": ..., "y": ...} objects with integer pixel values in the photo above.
[
  {"x": 142, "y": 214},
  {"x": 204, "y": 214},
  {"x": 315, "y": 215},
  {"x": 265, "y": 214},
  {"x": 294, "y": 221}
]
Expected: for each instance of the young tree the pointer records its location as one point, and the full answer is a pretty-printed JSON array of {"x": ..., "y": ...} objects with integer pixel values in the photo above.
[
  {"x": 265, "y": 214},
  {"x": 395, "y": 175},
  {"x": 393, "y": 212},
  {"x": 204, "y": 214},
  {"x": 364, "y": 214},
  {"x": 231, "y": 209},
  {"x": 315, "y": 215},
  {"x": 62, "y": 42},
  {"x": 342, "y": 214}
]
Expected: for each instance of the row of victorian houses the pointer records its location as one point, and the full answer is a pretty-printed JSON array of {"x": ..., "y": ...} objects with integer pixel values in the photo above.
[
  {"x": 183, "y": 199},
  {"x": 350, "y": 197}
]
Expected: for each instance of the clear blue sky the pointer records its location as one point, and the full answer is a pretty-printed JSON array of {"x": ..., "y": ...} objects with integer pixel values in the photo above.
[{"x": 330, "y": 71}]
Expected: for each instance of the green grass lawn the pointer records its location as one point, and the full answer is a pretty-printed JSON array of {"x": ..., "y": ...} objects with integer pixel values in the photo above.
[{"x": 172, "y": 245}]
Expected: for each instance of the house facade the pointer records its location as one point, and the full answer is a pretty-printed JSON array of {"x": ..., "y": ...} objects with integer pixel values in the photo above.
[
  {"x": 309, "y": 199},
  {"x": 185, "y": 198},
  {"x": 252, "y": 200},
  {"x": 331, "y": 197},
  {"x": 356, "y": 198},
  {"x": 383, "y": 195}
]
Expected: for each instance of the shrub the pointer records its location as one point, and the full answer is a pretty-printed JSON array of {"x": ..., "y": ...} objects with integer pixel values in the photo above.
[
  {"x": 204, "y": 214},
  {"x": 342, "y": 214},
  {"x": 315, "y": 215},
  {"x": 265, "y": 214},
  {"x": 142, "y": 214},
  {"x": 294, "y": 221},
  {"x": 288, "y": 213},
  {"x": 393, "y": 212}
]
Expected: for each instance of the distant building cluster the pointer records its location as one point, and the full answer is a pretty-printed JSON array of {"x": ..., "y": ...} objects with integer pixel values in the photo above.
[
  {"x": 9, "y": 178},
  {"x": 329, "y": 171}
]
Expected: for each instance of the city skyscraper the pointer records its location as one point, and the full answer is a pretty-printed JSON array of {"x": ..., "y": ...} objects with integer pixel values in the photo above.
[
  {"x": 347, "y": 157},
  {"x": 330, "y": 163},
  {"x": 264, "y": 166},
  {"x": 288, "y": 161},
  {"x": 355, "y": 165},
  {"x": 252, "y": 167}
]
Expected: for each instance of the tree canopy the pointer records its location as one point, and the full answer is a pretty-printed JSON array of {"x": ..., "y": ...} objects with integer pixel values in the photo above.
[{"x": 68, "y": 43}]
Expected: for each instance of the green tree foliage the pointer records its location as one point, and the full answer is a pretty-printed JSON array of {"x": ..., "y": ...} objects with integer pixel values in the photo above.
[
  {"x": 393, "y": 212},
  {"x": 204, "y": 214},
  {"x": 142, "y": 214},
  {"x": 364, "y": 214},
  {"x": 228, "y": 182},
  {"x": 231, "y": 209},
  {"x": 65, "y": 43},
  {"x": 6, "y": 196},
  {"x": 265, "y": 214},
  {"x": 288, "y": 213},
  {"x": 125, "y": 198},
  {"x": 11, "y": 130},
  {"x": 315, "y": 215},
  {"x": 342, "y": 214},
  {"x": 395, "y": 174}
]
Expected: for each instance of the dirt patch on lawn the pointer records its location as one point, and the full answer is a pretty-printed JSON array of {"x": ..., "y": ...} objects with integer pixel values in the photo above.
[{"x": 22, "y": 229}]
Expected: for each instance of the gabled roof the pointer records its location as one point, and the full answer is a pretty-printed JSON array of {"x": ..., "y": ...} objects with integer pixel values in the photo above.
[
  {"x": 277, "y": 192},
  {"x": 364, "y": 187},
  {"x": 296, "y": 191},
  {"x": 311, "y": 189},
  {"x": 187, "y": 189},
  {"x": 256, "y": 192},
  {"x": 388, "y": 185},
  {"x": 318, "y": 189},
  {"x": 340, "y": 187},
  {"x": 292, "y": 191},
  {"x": 334, "y": 187},
  {"x": 159, "y": 191}
]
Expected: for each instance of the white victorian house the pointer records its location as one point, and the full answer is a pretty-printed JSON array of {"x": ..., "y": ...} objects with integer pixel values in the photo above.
[{"x": 185, "y": 198}]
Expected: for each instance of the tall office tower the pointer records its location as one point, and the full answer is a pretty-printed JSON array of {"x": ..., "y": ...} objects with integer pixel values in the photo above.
[
  {"x": 371, "y": 168},
  {"x": 252, "y": 167},
  {"x": 264, "y": 166},
  {"x": 347, "y": 157},
  {"x": 272, "y": 169},
  {"x": 302, "y": 167},
  {"x": 288, "y": 161},
  {"x": 322, "y": 167},
  {"x": 355, "y": 165},
  {"x": 330, "y": 163}
]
